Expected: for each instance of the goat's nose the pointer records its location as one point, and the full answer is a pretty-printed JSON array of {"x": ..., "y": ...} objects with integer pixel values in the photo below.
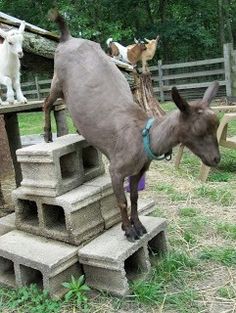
[
  {"x": 216, "y": 159},
  {"x": 20, "y": 54}
]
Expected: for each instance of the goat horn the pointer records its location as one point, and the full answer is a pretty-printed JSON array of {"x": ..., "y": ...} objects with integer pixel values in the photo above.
[
  {"x": 22, "y": 27},
  {"x": 135, "y": 40},
  {"x": 158, "y": 37},
  {"x": 147, "y": 40}
]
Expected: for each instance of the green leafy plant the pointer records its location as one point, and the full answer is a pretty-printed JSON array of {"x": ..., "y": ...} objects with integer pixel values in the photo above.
[{"x": 77, "y": 291}]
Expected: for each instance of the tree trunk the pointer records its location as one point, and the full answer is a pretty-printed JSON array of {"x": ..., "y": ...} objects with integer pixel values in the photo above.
[
  {"x": 39, "y": 45},
  {"x": 144, "y": 95}
]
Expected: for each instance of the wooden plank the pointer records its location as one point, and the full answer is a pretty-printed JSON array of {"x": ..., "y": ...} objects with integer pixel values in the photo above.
[
  {"x": 224, "y": 108},
  {"x": 45, "y": 81},
  {"x": 187, "y": 75},
  {"x": 189, "y": 86},
  {"x": 188, "y": 64}
]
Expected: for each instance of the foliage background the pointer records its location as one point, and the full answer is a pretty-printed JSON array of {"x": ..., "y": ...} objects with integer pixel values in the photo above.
[{"x": 189, "y": 29}]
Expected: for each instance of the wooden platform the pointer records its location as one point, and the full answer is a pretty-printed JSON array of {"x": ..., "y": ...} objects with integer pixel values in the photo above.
[{"x": 35, "y": 105}]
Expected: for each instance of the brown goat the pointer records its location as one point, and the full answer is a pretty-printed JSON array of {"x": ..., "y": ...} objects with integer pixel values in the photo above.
[
  {"x": 148, "y": 53},
  {"x": 126, "y": 54},
  {"x": 101, "y": 105}
]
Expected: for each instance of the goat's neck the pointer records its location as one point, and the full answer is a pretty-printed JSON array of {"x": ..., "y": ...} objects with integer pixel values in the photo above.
[{"x": 164, "y": 133}]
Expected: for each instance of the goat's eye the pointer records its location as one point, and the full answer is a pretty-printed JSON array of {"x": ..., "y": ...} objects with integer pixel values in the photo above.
[{"x": 10, "y": 43}]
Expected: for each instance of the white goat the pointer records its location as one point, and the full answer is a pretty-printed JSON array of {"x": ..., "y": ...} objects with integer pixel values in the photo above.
[{"x": 10, "y": 53}]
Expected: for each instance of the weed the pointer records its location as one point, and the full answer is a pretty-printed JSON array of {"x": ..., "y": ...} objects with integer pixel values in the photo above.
[{"x": 77, "y": 291}]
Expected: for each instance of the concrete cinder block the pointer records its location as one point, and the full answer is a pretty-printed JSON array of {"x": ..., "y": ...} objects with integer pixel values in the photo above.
[
  {"x": 26, "y": 259},
  {"x": 110, "y": 260},
  {"x": 51, "y": 169},
  {"x": 7, "y": 223},
  {"x": 74, "y": 217}
]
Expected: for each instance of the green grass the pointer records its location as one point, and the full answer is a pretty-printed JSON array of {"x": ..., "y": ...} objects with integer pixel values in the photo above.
[
  {"x": 224, "y": 255},
  {"x": 188, "y": 212},
  {"x": 33, "y": 123},
  {"x": 174, "y": 194},
  {"x": 227, "y": 292},
  {"x": 171, "y": 270},
  {"x": 221, "y": 195},
  {"x": 27, "y": 299},
  {"x": 227, "y": 230}
]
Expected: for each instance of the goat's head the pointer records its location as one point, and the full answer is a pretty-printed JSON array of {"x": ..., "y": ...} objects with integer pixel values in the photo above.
[
  {"x": 14, "y": 39},
  {"x": 140, "y": 44},
  {"x": 152, "y": 41},
  {"x": 198, "y": 125}
]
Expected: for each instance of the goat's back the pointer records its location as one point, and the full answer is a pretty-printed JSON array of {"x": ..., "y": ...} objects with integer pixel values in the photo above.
[{"x": 95, "y": 91}]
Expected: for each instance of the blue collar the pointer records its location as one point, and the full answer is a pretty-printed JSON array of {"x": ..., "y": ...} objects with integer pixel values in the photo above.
[{"x": 146, "y": 143}]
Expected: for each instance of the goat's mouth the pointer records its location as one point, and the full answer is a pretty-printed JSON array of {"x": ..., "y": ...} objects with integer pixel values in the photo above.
[{"x": 212, "y": 161}]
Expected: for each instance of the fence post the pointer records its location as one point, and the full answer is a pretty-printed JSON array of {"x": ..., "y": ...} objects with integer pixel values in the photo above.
[
  {"x": 37, "y": 87},
  {"x": 160, "y": 73},
  {"x": 230, "y": 75}
]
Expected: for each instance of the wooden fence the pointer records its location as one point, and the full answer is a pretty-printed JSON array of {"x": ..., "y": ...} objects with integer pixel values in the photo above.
[{"x": 191, "y": 78}]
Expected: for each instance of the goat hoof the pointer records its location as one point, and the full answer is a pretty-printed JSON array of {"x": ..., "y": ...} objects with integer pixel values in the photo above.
[
  {"x": 48, "y": 137},
  {"x": 140, "y": 229},
  {"x": 131, "y": 235}
]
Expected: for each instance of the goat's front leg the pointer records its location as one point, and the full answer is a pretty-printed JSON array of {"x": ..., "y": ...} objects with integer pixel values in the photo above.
[
  {"x": 118, "y": 187},
  {"x": 134, "y": 180},
  {"x": 6, "y": 81},
  {"x": 19, "y": 95},
  {"x": 47, "y": 108}
]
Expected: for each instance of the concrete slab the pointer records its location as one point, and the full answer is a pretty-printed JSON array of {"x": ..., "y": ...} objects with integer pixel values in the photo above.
[
  {"x": 7, "y": 223},
  {"x": 110, "y": 260},
  {"x": 26, "y": 259},
  {"x": 52, "y": 169}
]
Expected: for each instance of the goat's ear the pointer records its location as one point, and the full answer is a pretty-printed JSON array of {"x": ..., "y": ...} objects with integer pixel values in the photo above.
[
  {"x": 211, "y": 92},
  {"x": 181, "y": 103},
  {"x": 3, "y": 34},
  {"x": 147, "y": 40},
  {"x": 22, "y": 27}
]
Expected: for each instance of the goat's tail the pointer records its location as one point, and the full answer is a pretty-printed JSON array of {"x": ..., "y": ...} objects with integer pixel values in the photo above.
[
  {"x": 109, "y": 41},
  {"x": 59, "y": 19}
]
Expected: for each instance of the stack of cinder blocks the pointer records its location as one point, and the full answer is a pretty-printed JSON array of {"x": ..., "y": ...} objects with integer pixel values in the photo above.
[{"x": 65, "y": 217}]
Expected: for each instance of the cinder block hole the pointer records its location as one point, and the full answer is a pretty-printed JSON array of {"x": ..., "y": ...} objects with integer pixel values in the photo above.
[
  {"x": 135, "y": 265},
  {"x": 90, "y": 158},
  {"x": 157, "y": 245},
  {"x": 28, "y": 212},
  {"x": 68, "y": 164},
  {"x": 30, "y": 276},
  {"x": 7, "y": 273},
  {"x": 54, "y": 217}
]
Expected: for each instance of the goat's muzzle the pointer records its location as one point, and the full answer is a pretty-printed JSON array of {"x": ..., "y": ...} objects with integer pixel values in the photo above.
[{"x": 20, "y": 55}]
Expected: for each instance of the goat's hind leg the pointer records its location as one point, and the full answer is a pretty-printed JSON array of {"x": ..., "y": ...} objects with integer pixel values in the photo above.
[
  {"x": 134, "y": 180},
  {"x": 118, "y": 187},
  {"x": 55, "y": 93}
]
